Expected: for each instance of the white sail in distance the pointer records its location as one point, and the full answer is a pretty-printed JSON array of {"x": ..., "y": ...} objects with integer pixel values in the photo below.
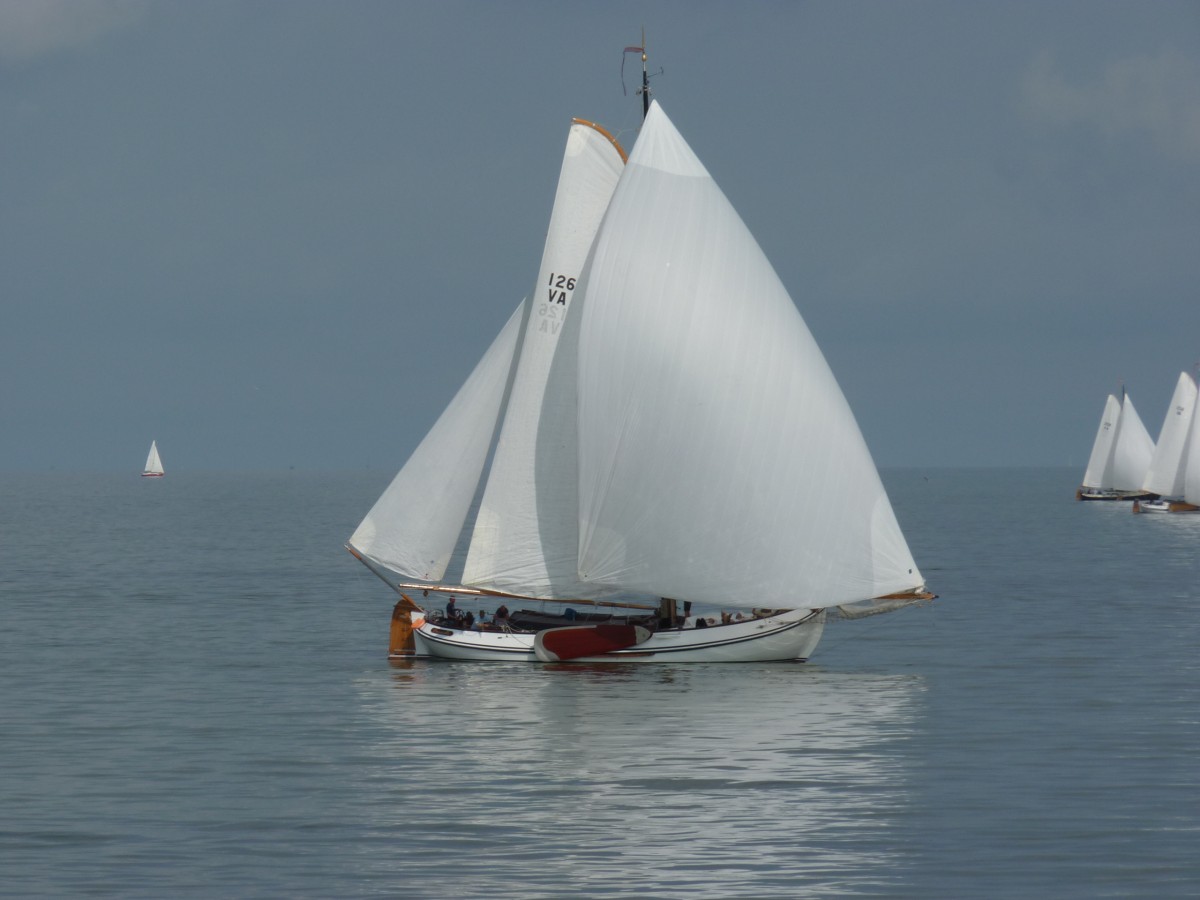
[
  {"x": 1165, "y": 475},
  {"x": 1099, "y": 467},
  {"x": 1191, "y": 461},
  {"x": 1122, "y": 449},
  {"x": 154, "y": 464},
  {"x": 1132, "y": 449}
]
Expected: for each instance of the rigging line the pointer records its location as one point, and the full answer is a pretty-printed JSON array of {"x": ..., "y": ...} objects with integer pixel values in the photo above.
[{"x": 833, "y": 617}]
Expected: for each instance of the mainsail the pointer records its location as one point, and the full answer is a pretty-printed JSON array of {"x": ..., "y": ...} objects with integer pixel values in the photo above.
[
  {"x": 1168, "y": 466},
  {"x": 718, "y": 458}
]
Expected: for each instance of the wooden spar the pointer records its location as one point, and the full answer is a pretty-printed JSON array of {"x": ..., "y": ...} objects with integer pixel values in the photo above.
[
  {"x": 481, "y": 592},
  {"x": 604, "y": 131},
  {"x": 374, "y": 570},
  {"x": 908, "y": 595},
  {"x": 463, "y": 590}
]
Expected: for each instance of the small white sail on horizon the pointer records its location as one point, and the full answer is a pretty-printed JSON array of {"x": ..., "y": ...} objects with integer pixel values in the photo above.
[{"x": 154, "y": 466}]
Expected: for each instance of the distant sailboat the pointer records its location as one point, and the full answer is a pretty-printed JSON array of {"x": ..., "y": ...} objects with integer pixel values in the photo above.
[
  {"x": 154, "y": 466},
  {"x": 1166, "y": 478},
  {"x": 1191, "y": 466},
  {"x": 1121, "y": 454}
]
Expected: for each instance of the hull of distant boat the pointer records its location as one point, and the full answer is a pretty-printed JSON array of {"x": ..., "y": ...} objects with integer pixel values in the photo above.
[
  {"x": 792, "y": 635},
  {"x": 1097, "y": 494},
  {"x": 1164, "y": 506},
  {"x": 152, "y": 474}
]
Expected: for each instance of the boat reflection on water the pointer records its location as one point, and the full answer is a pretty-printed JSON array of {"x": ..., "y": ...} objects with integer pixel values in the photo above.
[{"x": 699, "y": 780}]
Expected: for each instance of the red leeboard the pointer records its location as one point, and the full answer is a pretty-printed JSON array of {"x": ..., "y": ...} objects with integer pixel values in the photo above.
[{"x": 574, "y": 641}]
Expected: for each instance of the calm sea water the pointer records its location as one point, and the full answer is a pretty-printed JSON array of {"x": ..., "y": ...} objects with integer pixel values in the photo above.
[{"x": 195, "y": 702}]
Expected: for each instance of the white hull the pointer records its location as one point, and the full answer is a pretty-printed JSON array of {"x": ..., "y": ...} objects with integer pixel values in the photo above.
[
  {"x": 1165, "y": 506},
  {"x": 792, "y": 635}
]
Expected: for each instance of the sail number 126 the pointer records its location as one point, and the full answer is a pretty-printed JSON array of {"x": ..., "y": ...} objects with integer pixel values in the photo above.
[{"x": 559, "y": 286}]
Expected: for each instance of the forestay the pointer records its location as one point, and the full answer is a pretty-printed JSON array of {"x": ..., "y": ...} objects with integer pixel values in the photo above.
[{"x": 719, "y": 459}]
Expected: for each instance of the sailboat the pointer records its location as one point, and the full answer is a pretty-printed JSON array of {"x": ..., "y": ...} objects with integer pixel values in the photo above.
[
  {"x": 1121, "y": 454},
  {"x": 154, "y": 466},
  {"x": 1167, "y": 475},
  {"x": 653, "y": 430}
]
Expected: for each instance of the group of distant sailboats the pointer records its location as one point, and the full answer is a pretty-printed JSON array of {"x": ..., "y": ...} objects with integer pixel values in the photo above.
[{"x": 1126, "y": 464}]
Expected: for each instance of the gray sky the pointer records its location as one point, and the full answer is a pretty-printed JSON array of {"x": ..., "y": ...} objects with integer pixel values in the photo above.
[{"x": 276, "y": 234}]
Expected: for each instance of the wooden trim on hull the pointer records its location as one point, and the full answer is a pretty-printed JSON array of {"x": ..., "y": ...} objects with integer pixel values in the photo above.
[
  {"x": 463, "y": 590},
  {"x": 912, "y": 596}
]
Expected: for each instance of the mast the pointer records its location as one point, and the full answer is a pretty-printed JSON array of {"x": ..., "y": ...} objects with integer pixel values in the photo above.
[
  {"x": 645, "y": 80},
  {"x": 644, "y": 90}
]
